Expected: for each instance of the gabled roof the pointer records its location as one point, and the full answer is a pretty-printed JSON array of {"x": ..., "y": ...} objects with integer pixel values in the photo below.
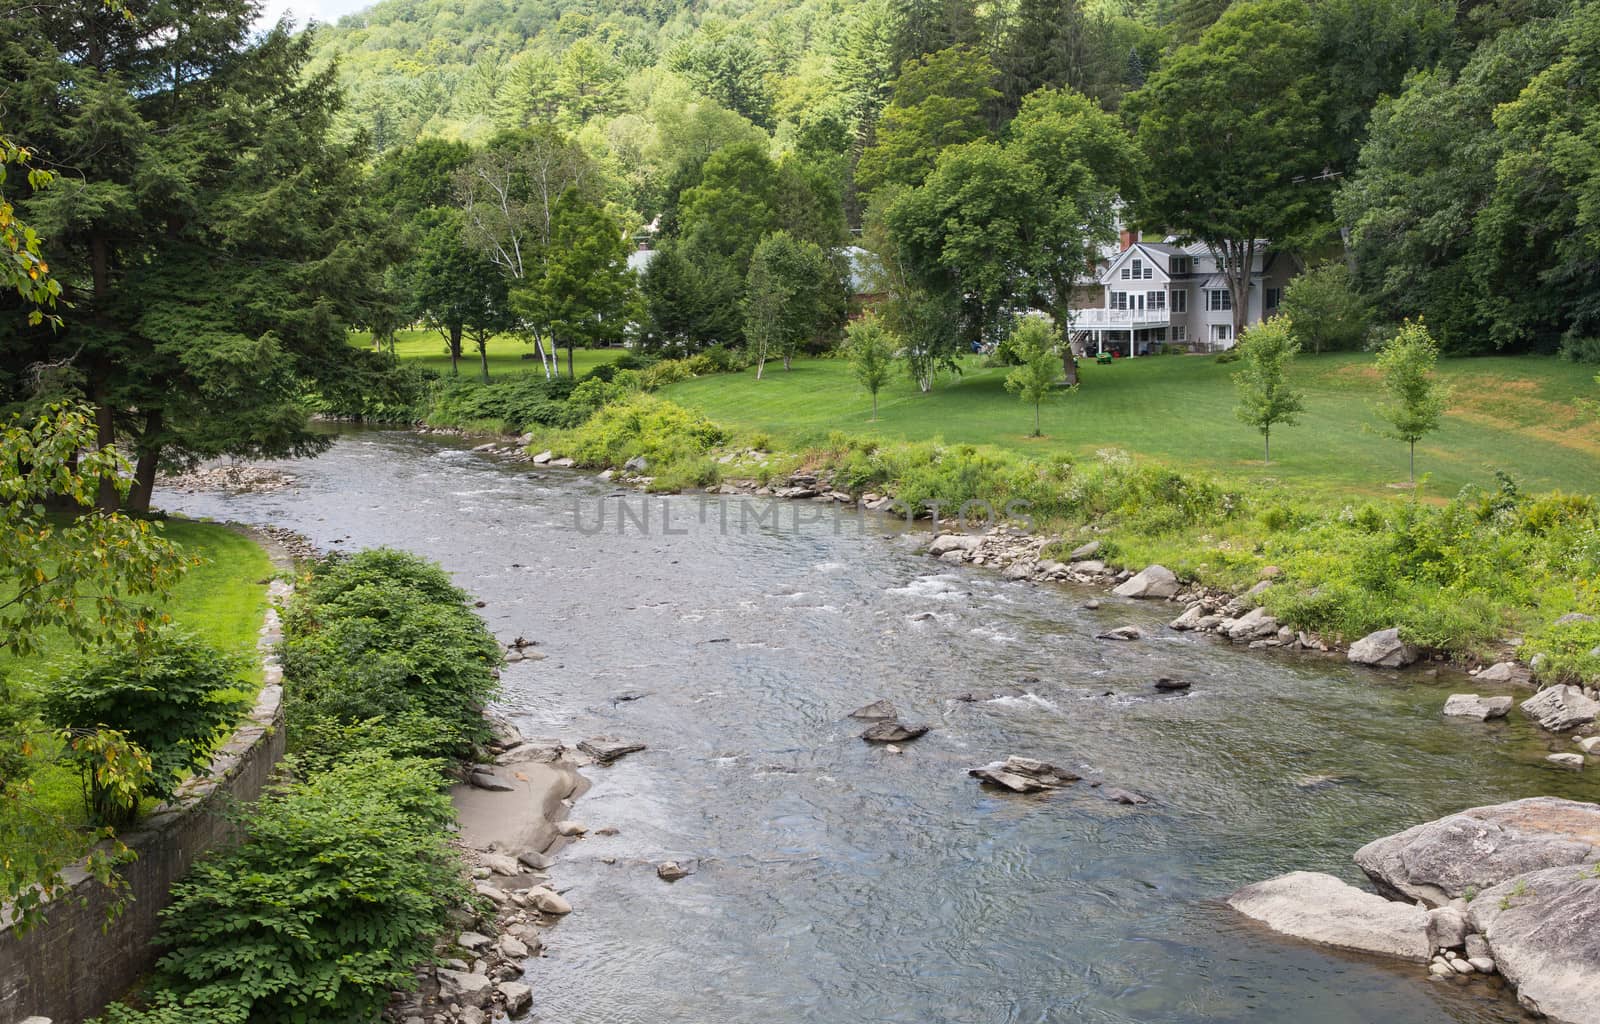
[{"x": 1162, "y": 247}]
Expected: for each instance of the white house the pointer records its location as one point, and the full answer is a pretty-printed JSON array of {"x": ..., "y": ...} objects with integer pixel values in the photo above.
[{"x": 1155, "y": 293}]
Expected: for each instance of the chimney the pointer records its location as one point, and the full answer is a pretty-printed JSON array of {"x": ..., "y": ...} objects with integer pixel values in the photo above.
[{"x": 1128, "y": 238}]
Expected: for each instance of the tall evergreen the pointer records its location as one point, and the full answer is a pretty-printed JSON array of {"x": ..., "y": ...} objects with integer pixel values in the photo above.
[{"x": 205, "y": 225}]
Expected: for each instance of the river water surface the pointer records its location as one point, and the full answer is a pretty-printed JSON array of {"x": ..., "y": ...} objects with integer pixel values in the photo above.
[{"x": 838, "y": 882}]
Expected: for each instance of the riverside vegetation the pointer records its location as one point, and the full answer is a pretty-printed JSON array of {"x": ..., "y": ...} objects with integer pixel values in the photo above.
[
  {"x": 344, "y": 875},
  {"x": 1460, "y": 573}
]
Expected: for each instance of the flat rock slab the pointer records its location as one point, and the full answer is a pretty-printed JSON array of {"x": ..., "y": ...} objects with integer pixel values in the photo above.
[
  {"x": 877, "y": 710},
  {"x": 1544, "y": 931},
  {"x": 1024, "y": 774},
  {"x": 606, "y": 749},
  {"x": 1321, "y": 908},
  {"x": 1470, "y": 705},
  {"x": 1441, "y": 860},
  {"x": 893, "y": 732},
  {"x": 1120, "y": 633},
  {"x": 1560, "y": 708}
]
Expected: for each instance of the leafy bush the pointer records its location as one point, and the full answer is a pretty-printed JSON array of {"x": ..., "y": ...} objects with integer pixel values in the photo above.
[
  {"x": 670, "y": 371},
  {"x": 1580, "y": 350},
  {"x": 328, "y": 903},
  {"x": 644, "y": 425},
  {"x": 173, "y": 699},
  {"x": 381, "y": 647},
  {"x": 377, "y": 389},
  {"x": 510, "y": 404}
]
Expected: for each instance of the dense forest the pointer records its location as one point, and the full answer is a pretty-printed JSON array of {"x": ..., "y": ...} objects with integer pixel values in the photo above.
[{"x": 220, "y": 205}]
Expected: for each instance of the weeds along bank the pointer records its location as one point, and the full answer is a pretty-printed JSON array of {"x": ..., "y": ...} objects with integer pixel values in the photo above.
[
  {"x": 345, "y": 875},
  {"x": 1460, "y": 576}
]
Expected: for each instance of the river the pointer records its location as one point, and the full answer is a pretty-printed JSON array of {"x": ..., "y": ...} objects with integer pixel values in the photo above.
[{"x": 839, "y": 882}]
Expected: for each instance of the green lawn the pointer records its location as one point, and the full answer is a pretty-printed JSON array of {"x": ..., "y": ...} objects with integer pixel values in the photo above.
[
  {"x": 1514, "y": 414},
  {"x": 506, "y": 351},
  {"x": 222, "y": 600}
]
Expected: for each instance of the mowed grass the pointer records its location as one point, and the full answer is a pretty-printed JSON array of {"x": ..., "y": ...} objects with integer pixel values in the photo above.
[
  {"x": 221, "y": 600},
  {"x": 506, "y": 351},
  {"x": 1517, "y": 414}
]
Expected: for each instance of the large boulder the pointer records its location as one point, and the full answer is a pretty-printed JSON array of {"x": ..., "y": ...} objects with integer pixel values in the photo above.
[
  {"x": 1383, "y": 649},
  {"x": 1321, "y": 908},
  {"x": 1543, "y": 929},
  {"x": 1156, "y": 581},
  {"x": 1470, "y": 705},
  {"x": 948, "y": 542},
  {"x": 1507, "y": 673},
  {"x": 1024, "y": 774},
  {"x": 1439, "y": 861},
  {"x": 465, "y": 987},
  {"x": 1560, "y": 708},
  {"x": 1255, "y": 624}
]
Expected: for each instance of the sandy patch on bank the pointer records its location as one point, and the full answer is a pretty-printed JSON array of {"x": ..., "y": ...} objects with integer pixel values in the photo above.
[{"x": 522, "y": 820}]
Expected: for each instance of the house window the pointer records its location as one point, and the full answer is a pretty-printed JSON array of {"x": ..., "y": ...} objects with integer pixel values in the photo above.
[
  {"x": 1180, "y": 302},
  {"x": 1180, "y": 264},
  {"x": 1119, "y": 300},
  {"x": 1218, "y": 299},
  {"x": 1149, "y": 272},
  {"x": 1180, "y": 332},
  {"x": 1155, "y": 300},
  {"x": 1221, "y": 332},
  {"x": 1125, "y": 274},
  {"x": 1274, "y": 297}
]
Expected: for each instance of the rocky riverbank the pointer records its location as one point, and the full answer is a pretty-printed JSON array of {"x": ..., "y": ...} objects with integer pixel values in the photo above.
[
  {"x": 1509, "y": 891},
  {"x": 512, "y": 816}
]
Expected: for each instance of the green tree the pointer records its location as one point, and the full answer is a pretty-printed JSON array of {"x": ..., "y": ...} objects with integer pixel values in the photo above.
[
  {"x": 97, "y": 579},
  {"x": 1226, "y": 125},
  {"x": 589, "y": 82},
  {"x": 456, "y": 289},
  {"x": 939, "y": 101},
  {"x": 690, "y": 305},
  {"x": 211, "y": 282},
  {"x": 1417, "y": 398},
  {"x": 1326, "y": 310},
  {"x": 733, "y": 206},
  {"x": 728, "y": 65},
  {"x": 585, "y": 294},
  {"x": 1265, "y": 397},
  {"x": 871, "y": 349},
  {"x": 1034, "y": 378},
  {"x": 22, "y": 265},
  {"x": 786, "y": 296}
]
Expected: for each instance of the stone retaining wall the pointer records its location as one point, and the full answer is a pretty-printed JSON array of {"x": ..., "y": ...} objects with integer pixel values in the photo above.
[{"x": 72, "y": 965}]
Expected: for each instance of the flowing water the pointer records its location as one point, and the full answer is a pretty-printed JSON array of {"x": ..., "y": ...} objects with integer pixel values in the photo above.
[{"x": 838, "y": 882}]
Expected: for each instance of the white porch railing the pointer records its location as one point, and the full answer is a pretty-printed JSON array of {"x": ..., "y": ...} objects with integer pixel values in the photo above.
[{"x": 1090, "y": 319}]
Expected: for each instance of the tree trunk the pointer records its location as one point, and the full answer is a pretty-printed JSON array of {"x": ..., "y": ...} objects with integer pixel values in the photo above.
[
  {"x": 1266, "y": 450},
  {"x": 874, "y": 406},
  {"x": 144, "y": 469},
  {"x": 761, "y": 364},
  {"x": 1241, "y": 257},
  {"x": 788, "y": 361},
  {"x": 455, "y": 350},
  {"x": 571, "y": 373},
  {"x": 1036, "y": 431},
  {"x": 483, "y": 358},
  {"x": 1413, "y": 467},
  {"x": 105, "y": 424}
]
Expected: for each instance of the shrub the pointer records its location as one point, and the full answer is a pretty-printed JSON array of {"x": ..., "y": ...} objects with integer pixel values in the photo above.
[
  {"x": 508, "y": 405},
  {"x": 670, "y": 371},
  {"x": 644, "y": 425},
  {"x": 173, "y": 699},
  {"x": 381, "y": 647},
  {"x": 332, "y": 897},
  {"x": 1580, "y": 350}
]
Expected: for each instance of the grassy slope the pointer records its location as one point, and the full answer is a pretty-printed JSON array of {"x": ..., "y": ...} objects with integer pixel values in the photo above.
[
  {"x": 426, "y": 348},
  {"x": 1515, "y": 414},
  {"x": 221, "y": 600}
]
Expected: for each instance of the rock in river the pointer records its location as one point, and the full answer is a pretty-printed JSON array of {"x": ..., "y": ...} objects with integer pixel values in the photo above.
[
  {"x": 877, "y": 710},
  {"x": 1120, "y": 633},
  {"x": 1383, "y": 649},
  {"x": 1169, "y": 684},
  {"x": 1156, "y": 581},
  {"x": 892, "y": 732},
  {"x": 1024, "y": 774},
  {"x": 1440, "y": 860},
  {"x": 1544, "y": 929},
  {"x": 1470, "y": 705},
  {"x": 1321, "y": 908},
  {"x": 606, "y": 749},
  {"x": 1560, "y": 708}
]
